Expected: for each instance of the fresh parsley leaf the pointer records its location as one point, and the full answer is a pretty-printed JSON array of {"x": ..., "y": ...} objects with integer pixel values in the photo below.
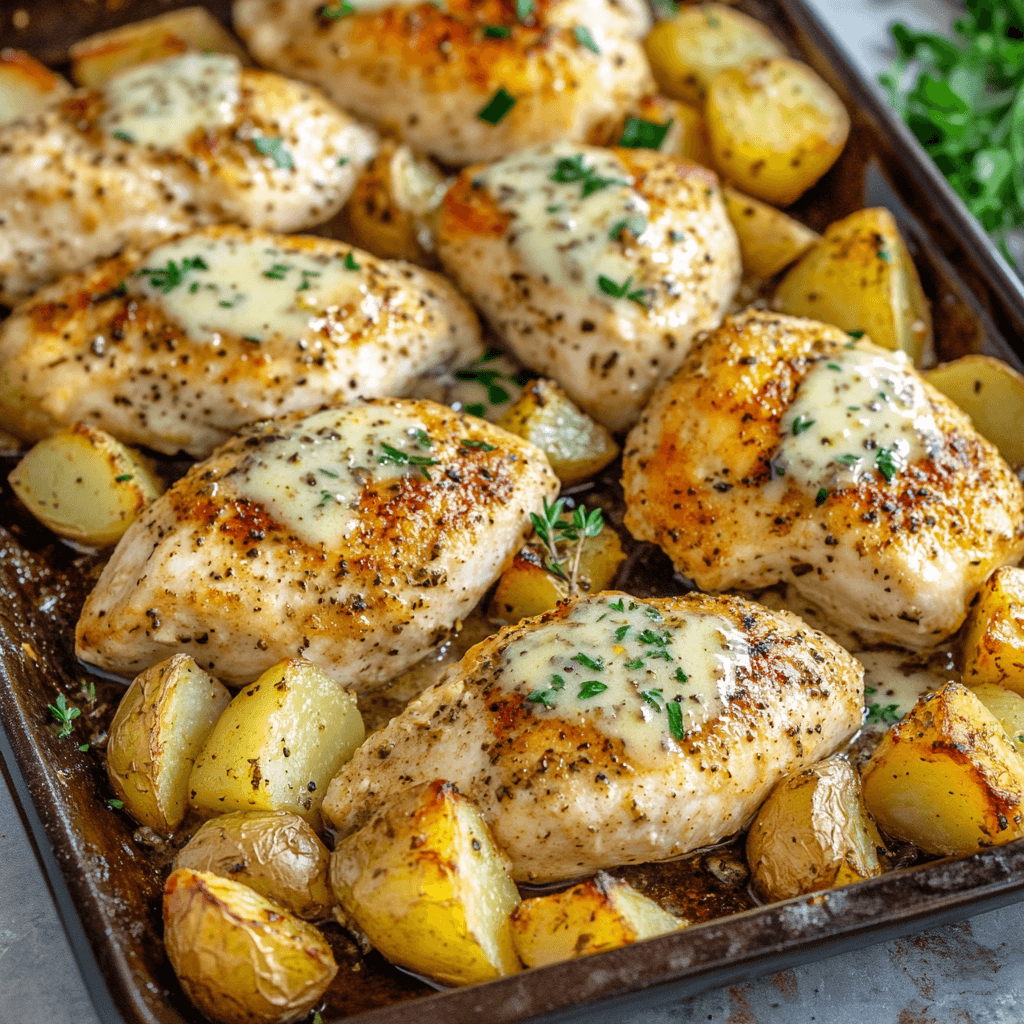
[
  {"x": 350, "y": 262},
  {"x": 635, "y": 663},
  {"x": 640, "y": 134},
  {"x": 635, "y": 224},
  {"x": 800, "y": 424},
  {"x": 675, "y": 720},
  {"x": 114, "y": 804},
  {"x": 856, "y": 335},
  {"x": 545, "y": 697},
  {"x": 497, "y": 31},
  {"x": 616, "y": 606},
  {"x": 651, "y": 612},
  {"x": 584, "y": 38},
  {"x": 336, "y": 9},
  {"x": 681, "y": 676},
  {"x": 124, "y": 478},
  {"x": 822, "y": 496},
  {"x": 887, "y": 462},
  {"x": 274, "y": 148},
  {"x": 591, "y": 688},
  {"x": 83, "y": 747},
  {"x": 650, "y": 637},
  {"x": 497, "y": 107},
  {"x": 487, "y": 378},
  {"x": 396, "y": 457},
  {"x": 620, "y": 633},
  {"x": 64, "y": 714},
  {"x": 479, "y": 446},
  {"x": 847, "y": 459},
  {"x": 654, "y": 698},
  {"x": 879, "y": 715},
  {"x": 618, "y": 291},
  {"x": 587, "y": 662},
  {"x": 168, "y": 278}
]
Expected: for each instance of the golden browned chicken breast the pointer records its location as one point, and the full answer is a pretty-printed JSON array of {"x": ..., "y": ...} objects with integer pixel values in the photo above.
[
  {"x": 179, "y": 347},
  {"x": 616, "y": 731},
  {"x": 465, "y": 80},
  {"x": 597, "y": 267},
  {"x": 163, "y": 148},
  {"x": 352, "y": 537},
  {"x": 786, "y": 450}
]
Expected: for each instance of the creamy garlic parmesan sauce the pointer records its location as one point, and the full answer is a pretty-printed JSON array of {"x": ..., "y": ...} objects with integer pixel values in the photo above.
[
  {"x": 311, "y": 480},
  {"x": 161, "y": 104},
  {"x": 856, "y": 413},
  {"x": 894, "y": 681},
  {"x": 569, "y": 205},
  {"x": 619, "y": 664},
  {"x": 215, "y": 286}
]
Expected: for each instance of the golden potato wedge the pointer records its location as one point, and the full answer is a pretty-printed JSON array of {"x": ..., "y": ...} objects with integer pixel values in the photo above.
[
  {"x": 241, "y": 958},
  {"x": 813, "y": 833},
  {"x": 274, "y": 853},
  {"x": 992, "y": 394},
  {"x": 688, "y": 50},
  {"x": 527, "y": 589},
  {"x": 160, "y": 726},
  {"x": 393, "y": 209},
  {"x": 1007, "y": 707},
  {"x": 576, "y": 446},
  {"x": 600, "y": 914},
  {"x": 946, "y": 778},
  {"x": 278, "y": 744},
  {"x": 97, "y": 57},
  {"x": 427, "y": 884},
  {"x": 992, "y": 638},
  {"x": 775, "y": 127},
  {"x": 769, "y": 239},
  {"x": 84, "y": 485},
  {"x": 860, "y": 277},
  {"x": 26, "y": 86}
]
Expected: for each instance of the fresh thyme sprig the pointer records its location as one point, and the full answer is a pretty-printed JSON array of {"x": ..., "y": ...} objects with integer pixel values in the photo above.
[{"x": 565, "y": 539}]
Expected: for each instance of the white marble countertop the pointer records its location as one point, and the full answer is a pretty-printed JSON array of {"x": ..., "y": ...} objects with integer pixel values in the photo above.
[{"x": 971, "y": 972}]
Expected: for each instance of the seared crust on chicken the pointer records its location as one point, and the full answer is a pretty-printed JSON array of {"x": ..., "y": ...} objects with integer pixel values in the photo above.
[
  {"x": 129, "y": 349},
  {"x": 425, "y": 71},
  {"x": 281, "y": 157},
  {"x": 608, "y": 339},
  {"x": 353, "y": 538},
  {"x": 568, "y": 788},
  {"x": 896, "y": 559}
]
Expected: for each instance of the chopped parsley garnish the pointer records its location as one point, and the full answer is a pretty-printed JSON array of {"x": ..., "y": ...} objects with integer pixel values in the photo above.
[
  {"x": 114, "y": 804},
  {"x": 570, "y": 169},
  {"x": 488, "y": 379},
  {"x": 274, "y": 148},
  {"x": 847, "y": 460},
  {"x": 617, "y": 606},
  {"x": 635, "y": 224},
  {"x": 649, "y": 636},
  {"x": 545, "y": 697},
  {"x": 328, "y": 472},
  {"x": 64, "y": 714},
  {"x": 497, "y": 31},
  {"x": 325, "y": 496},
  {"x": 886, "y": 461},
  {"x": 123, "y": 136},
  {"x": 620, "y": 633},
  {"x": 834, "y": 366},
  {"x": 653, "y": 697},
  {"x": 124, "y": 478},
  {"x": 277, "y": 272},
  {"x": 584, "y": 38},
  {"x": 800, "y": 424},
  {"x": 681, "y": 676},
  {"x": 396, "y": 457},
  {"x": 660, "y": 653},
  {"x": 591, "y": 688},
  {"x": 618, "y": 291},
  {"x": 822, "y": 496},
  {"x": 640, "y": 134},
  {"x": 635, "y": 663},
  {"x": 497, "y": 107},
  {"x": 83, "y": 747},
  {"x": 422, "y": 438},
  {"x": 651, "y": 612},
  {"x": 336, "y": 9},
  {"x": 587, "y": 662},
  {"x": 675, "y": 720},
  {"x": 350, "y": 262},
  {"x": 168, "y": 278},
  {"x": 479, "y": 446},
  {"x": 879, "y": 715},
  {"x": 856, "y": 335},
  {"x": 870, "y": 691},
  {"x": 883, "y": 255}
]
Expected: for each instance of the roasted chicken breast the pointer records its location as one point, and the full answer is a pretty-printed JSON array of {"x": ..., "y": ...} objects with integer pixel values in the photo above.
[
  {"x": 179, "y": 347},
  {"x": 352, "y": 537},
  {"x": 616, "y": 731},
  {"x": 466, "y": 80},
  {"x": 597, "y": 267},
  {"x": 163, "y": 148},
  {"x": 786, "y": 450}
]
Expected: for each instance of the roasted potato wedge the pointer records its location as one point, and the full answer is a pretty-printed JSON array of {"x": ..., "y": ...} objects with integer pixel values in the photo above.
[
  {"x": 576, "y": 446},
  {"x": 241, "y": 958},
  {"x": 992, "y": 394},
  {"x": 860, "y": 277},
  {"x": 600, "y": 914},
  {"x": 775, "y": 127},
  {"x": 526, "y": 588},
  {"x": 992, "y": 639},
  {"x": 26, "y": 85},
  {"x": 97, "y": 57},
  {"x": 275, "y": 853},
  {"x": 393, "y": 209},
  {"x": 84, "y": 485},
  {"x": 278, "y": 744},
  {"x": 1007, "y": 707},
  {"x": 946, "y": 778},
  {"x": 769, "y": 239},
  {"x": 688, "y": 50},
  {"x": 160, "y": 726},
  {"x": 813, "y": 833},
  {"x": 427, "y": 884}
]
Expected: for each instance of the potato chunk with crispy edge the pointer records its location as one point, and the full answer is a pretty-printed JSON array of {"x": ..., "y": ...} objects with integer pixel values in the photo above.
[
  {"x": 769, "y": 239},
  {"x": 992, "y": 639},
  {"x": 425, "y": 881}
]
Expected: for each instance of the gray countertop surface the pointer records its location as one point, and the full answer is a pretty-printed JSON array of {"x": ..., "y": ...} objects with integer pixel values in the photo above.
[{"x": 966, "y": 973}]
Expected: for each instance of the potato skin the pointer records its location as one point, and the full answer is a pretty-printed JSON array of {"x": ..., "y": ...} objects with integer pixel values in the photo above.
[
  {"x": 241, "y": 958},
  {"x": 161, "y": 724},
  {"x": 275, "y": 853},
  {"x": 813, "y": 833},
  {"x": 946, "y": 778},
  {"x": 425, "y": 881},
  {"x": 992, "y": 640},
  {"x": 775, "y": 127}
]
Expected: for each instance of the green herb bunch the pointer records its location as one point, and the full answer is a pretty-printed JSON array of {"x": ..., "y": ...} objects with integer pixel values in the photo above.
[
  {"x": 964, "y": 100},
  {"x": 564, "y": 540}
]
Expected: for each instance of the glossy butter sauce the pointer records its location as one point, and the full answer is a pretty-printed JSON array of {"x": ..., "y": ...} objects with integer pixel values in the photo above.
[{"x": 621, "y": 664}]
